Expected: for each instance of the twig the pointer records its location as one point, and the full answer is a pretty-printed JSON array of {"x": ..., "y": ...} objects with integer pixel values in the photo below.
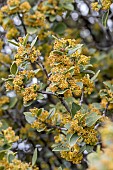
[
  {"x": 48, "y": 93},
  {"x": 82, "y": 98},
  {"x": 6, "y": 65},
  {"x": 24, "y": 28},
  {"x": 43, "y": 68},
  {"x": 106, "y": 109},
  {"x": 54, "y": 126},
  {"x": 64, "y": 104}
]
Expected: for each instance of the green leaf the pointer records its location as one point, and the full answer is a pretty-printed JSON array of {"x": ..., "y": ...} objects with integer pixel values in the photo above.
[
  {"x": 36, "y": 71},
  {"x": 82, "y": 149},
  {"x": 62, "y": 91},
  {"x": 58, "y": 52},
  {"x": 73, "y": 50},
  {"x": 6, "y": 20},
  {"x": 2, "y": 154},
  {"x": 13, "y": 101},
  {"x": 14, "y": 68},
  {"x": 28, "y": 104},
  {"x": 40, "y": 111},
  {"x": 34, "y": 158},
  {"x": 92, "y": 118},
  {"x": 60, "y": 28},
  {"x": 40, "y": 130},
  {"x": 89, "y": 148},
  {"x": 75, "y": 108},
  {"x": 73, "y": 139},
  {"x": 34, "y": 41},
  {"x": 40, "y": 96},
  {"x": 52, "y": 18},
  {"x": 88, "y": 72},
  {"x": 13, "y": 42},
  {"x": 31, "y": 30},
  {"x": 69, "y": 7},
  {"x": 12, "y": 7},
  {"x": 29, "y": 117},
  {"x": 51, "y": 113},
  {"x": 26, "y": 39},
  {"x": 70, "y": 69},
  {"x": 60, "y": 168},
  {"x": 108, "y": 84},
  {"x": 95, "y": 76},
  {"x": 61, "y": 148},
  {"x": 102, "y": 93},
  {"x": 10, "y": 157},
  {"x": 80, "y": 84},
  {"x": 105, "y": 18}
]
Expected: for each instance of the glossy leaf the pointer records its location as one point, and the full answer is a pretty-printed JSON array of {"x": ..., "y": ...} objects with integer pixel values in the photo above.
[
  {"x": 75, "y": 108},
  {"x": 13, "y": 68},
  {"x": 34, "y": 158},
  {"x": 30, "y": 119},
  {"x": 73, "y": 139},
  {"x": 92, "y": 118}
]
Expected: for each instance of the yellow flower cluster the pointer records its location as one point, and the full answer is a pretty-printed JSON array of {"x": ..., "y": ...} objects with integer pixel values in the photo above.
[
  {"x": 107, "y": 94},
  {"x": 28, "y": 73},
  {"x": 94, "y": 6},
  {"x": 73, "y": 155},
  {"x": 77, "y": 125},
  {"x": 8, "y": 25},
  {"x": 35, "y": 20},
  {"x": 18, "y": 82},
  {"x": 30, "y": 93},
  {"x": 44, "y": 119},
  {"x": 106, "y": 4},
  {"x": 104, "y": 103},
  {"x": 66, "y": 61},
  {"x": 26, "y": 53},
  {"x": 24, "y": 7},
  {"x": 40, "y": 122},
  {"x": 51, "y": 8},
  {"x": 12, "y": 33},
  {"x": 8, "y": 86},
  {"x": 16, "y": 165},
  {"x": 4, "y": 100},
  {"x": 9, "y": 135},
  {"x": 14, "y": 6},
  {"x": 13, "y": 2}
]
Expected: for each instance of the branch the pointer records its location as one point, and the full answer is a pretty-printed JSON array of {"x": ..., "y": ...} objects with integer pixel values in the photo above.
[
  {"x": 54, "y": 126},
  {"x": 82, "y": 98},
  {"x": 64, "y": 104},
  {"x": 24, "y": 28},
  {"x": 48, "y": 93},
  {"x": 43, "y": 68},
  {"x": 106, "y": 109},
  {"x": 6, "y": 65}
]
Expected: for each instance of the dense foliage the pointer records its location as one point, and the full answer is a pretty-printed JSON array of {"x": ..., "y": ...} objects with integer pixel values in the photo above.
[{"x": 56, "y": 77}]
